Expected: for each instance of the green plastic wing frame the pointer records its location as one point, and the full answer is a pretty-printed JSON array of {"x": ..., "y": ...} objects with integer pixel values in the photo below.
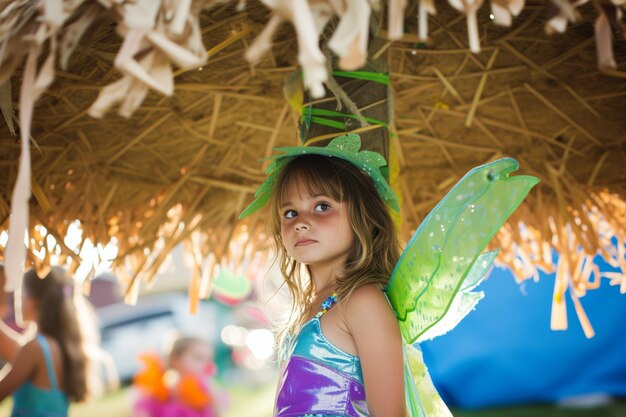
[
  {"x": 422, "y": 398},
  {"x": 430, "y": 287}
]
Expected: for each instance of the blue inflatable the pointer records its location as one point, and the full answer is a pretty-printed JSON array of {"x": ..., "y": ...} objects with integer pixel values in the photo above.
[{"x": 504, "y": 352}]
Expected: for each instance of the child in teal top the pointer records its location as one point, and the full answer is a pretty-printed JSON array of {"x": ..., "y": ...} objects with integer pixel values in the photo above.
[
  {"x": 48, "y": 371},
  {"x": 31, "y": 400}
]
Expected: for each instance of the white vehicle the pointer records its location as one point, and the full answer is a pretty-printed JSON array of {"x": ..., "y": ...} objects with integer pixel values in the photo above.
[{"x": 150, "y": 325}]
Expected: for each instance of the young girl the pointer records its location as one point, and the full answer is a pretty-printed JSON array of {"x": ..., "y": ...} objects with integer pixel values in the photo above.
[
  {"x": 49, "y": 371},
  {"x": 337, "y": 247},
  {"x": 359, "y": 307},
  {"x": 181, "y": 389}
]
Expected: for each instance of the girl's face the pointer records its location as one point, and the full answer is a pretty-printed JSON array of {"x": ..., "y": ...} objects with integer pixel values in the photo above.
[
  {"x": 193, "y": 360},
  {"x": 315, "y": 229}
]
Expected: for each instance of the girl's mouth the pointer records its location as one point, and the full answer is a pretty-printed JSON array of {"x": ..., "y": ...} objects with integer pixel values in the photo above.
[{"x": 305, "y": 242}]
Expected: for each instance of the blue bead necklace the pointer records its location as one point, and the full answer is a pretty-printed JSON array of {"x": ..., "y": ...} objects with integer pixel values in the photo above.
[{"x": 326, "y": 305}]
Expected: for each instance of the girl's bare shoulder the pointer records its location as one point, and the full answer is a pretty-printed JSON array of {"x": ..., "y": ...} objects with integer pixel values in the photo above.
[
  {"x": 34, "y": 350},
  {"x": 31, "y": 348},
  {"x": 368, "y": 302}
]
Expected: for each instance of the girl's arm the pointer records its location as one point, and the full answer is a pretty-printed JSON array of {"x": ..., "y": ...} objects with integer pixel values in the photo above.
[
  {"x": 376, "y": 335},
  {"x": 9, "y": 339},
  {"x": 22, "y": 367},
  {"x": 9, "y": 342}
]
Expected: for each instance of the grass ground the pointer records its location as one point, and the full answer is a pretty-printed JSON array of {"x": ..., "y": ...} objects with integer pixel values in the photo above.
[
  {"x": 247, "y": 402},
  {"x": 243, "y": 403}
]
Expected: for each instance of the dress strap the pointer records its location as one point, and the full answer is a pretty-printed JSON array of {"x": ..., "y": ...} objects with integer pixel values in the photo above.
[
  {"x": 45, "y": 347},
  {"x": 326, "y": 305}
]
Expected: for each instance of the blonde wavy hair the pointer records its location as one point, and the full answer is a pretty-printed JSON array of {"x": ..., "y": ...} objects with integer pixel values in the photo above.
[{"x": 375, "y": 249}]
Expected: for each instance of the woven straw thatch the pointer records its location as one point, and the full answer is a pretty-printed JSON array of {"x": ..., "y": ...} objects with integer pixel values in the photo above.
[{"x": 184, "y": 165}]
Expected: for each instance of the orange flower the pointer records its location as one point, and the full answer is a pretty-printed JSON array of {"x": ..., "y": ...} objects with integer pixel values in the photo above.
[
  {"x": 150, "y": 378},
  {"x": 191, "y": 392}
]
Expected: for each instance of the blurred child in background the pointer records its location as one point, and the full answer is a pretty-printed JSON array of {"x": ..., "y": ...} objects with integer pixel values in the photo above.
[
  {"x": 181, "y": 388},
  {"x": 50, "y": 370}
]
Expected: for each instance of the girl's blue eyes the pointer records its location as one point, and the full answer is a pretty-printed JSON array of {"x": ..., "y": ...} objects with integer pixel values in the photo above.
[{"x": 320, "y": 208}]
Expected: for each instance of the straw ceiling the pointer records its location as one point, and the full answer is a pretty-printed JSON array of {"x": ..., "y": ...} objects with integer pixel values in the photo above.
[{"x": 182, "y": 167}]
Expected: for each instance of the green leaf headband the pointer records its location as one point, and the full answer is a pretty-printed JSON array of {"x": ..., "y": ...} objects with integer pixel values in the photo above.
[{"x": 346, "y": 147}]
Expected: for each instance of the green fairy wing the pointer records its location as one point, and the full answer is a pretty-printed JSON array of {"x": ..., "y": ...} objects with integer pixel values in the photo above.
[
  {"x": 422, "y": 399},
  {"x": 430, "y": 287},
  {"x": 464, "y": 300}
]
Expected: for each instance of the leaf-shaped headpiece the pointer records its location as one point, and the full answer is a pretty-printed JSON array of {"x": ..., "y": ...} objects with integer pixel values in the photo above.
[{"x": 346, "y": 147}]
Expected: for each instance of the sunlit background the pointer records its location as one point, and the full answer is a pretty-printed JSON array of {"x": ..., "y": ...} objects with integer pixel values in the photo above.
[{"x": 502, "y": 360}]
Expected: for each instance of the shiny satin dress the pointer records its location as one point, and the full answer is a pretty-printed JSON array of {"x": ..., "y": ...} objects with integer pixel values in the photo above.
[{"x": 319, "y": 379}]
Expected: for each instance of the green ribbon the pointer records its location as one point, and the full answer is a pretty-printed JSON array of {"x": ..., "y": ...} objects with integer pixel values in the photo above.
[
  {"x": 321, "y": 116},
  {"x": 377, "y": 77},
  {"x": 313, "y": 115}
]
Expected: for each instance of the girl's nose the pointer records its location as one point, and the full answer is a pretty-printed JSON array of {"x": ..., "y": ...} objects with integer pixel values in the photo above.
[{"x": 300, "y": 226}]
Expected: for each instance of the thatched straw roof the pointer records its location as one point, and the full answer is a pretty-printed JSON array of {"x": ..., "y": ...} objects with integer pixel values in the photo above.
[{"x": 183, "y": 166}]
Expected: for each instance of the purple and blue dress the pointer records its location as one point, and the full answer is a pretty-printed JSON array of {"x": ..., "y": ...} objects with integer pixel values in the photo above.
[{"x": 318, "y": 378}]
